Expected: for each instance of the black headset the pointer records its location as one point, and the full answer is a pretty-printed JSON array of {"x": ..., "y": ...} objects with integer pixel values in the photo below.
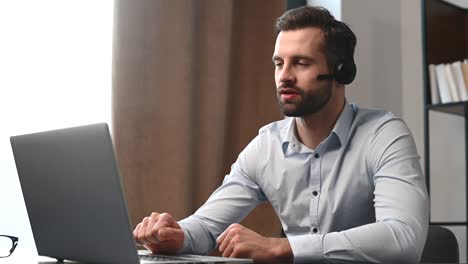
[{"x": 344, "y": 72}]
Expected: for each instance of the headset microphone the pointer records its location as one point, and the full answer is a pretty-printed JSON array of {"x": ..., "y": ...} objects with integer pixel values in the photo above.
[
  {"x": 322, "y": 77},
  {"x": 337, "y": 72}
]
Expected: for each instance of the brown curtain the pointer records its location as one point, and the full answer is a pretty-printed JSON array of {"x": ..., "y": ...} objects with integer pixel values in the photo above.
[{"x": 192, "y": 84}]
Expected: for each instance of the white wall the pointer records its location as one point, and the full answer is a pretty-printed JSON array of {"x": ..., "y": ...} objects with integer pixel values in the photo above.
[
  {"x": 55, "y": 72},
  {"x": 376, "y": 24},
  {"x": 412, "y": 71},
  {"x": 334, "y": 6}
]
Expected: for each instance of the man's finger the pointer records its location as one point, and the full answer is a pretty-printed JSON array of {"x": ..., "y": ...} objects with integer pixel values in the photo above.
[
  {"x": 135, "y": 231},
  {"x": 223, "y": 235},
  {"x": 154, "y": 248},
  {"x": 150, "y": 234},
  {"x": 164, "y": 220},
  {"x": 228, "y": 247},
  {"x": 228, "y": 230},
  {"x": 135, "y": 234},
  {"x": 226, "y": 241},
  {"x": 221, "y": 240},
  {"x": 141, "y": 236}
]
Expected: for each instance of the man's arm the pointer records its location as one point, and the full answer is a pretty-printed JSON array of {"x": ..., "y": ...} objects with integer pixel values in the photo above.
[
  {"x": 230, "y": 203},
  {"x": 401, "y": 208}
]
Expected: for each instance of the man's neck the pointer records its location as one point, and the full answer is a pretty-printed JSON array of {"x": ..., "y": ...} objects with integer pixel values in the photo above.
[{"x": 313, "y": 129}]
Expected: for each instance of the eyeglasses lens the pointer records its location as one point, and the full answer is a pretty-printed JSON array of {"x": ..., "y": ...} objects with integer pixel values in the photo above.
[{"x": 6, "y": 245}]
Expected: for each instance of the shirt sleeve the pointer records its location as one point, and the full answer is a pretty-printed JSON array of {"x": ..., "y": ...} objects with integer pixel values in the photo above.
[
  {"x": 401, "y": 208},
  {"x": 230, "y": 203}
]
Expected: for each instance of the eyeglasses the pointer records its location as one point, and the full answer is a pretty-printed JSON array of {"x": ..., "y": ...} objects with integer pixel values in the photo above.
[{"x": 7, "y": 245}]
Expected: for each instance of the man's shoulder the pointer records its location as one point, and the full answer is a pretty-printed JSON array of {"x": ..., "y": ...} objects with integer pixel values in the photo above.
[
  {"x": 372, "y": 116},
  {"x": 373, "y": 120}
]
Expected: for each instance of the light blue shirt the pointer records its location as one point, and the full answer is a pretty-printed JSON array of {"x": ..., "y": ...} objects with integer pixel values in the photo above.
[{"x": 359, "y": 196}]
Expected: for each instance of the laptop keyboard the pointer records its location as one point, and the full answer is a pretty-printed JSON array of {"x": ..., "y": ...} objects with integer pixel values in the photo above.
[
  {"x": 154, "y": 257},
  {"x": 164, "y": 259},
  {"x": 146, "y": 258}
]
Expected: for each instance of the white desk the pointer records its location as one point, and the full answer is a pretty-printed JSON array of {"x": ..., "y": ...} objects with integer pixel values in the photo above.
[{"x": 28, "y": 257}]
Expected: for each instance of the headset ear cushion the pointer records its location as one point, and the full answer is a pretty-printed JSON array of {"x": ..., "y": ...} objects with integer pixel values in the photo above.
[{"x": 346, "y": 73}]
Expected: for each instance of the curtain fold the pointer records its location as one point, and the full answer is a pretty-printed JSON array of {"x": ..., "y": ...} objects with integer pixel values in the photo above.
[{"x": 192, "y": 82}]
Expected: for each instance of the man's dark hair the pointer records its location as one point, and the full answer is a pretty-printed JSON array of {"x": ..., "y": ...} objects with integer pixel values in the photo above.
[{"x": 339, "y": 40}]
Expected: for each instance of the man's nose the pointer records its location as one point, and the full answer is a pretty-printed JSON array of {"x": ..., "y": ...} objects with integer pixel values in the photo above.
[{"x": 286, "y": 75}]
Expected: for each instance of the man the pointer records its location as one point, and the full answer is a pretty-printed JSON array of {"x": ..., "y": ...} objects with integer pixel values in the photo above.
[{"x": 345, "y": 182}]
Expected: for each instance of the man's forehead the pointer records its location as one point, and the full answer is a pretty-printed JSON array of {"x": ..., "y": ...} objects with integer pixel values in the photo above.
[
  {"x": 310, "y": 39},
  {"x": 303, "y": 34}
]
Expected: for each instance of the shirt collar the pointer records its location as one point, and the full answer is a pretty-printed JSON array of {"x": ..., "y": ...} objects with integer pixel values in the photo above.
[
  {"x": 291, "y": 144},
  {"x": 342, "y": 125},
  {"x": 289, "y": 136}
]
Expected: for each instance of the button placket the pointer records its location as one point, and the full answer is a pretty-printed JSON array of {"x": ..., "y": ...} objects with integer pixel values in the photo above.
[{"x": 315, "y": 172}]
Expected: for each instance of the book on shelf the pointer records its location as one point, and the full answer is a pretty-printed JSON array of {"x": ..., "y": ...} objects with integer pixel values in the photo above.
[
  {"x": 451, "y": 83},
  {"x": 464, "y": 69},
  {"x": 442, "y": 84},
  {"x": 435, "y": 96},
  {"x": 448, "y": 82},
  {"x": 459, "y": 80}
]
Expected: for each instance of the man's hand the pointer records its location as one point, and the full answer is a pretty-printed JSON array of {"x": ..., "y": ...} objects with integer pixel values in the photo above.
[
  {"x": 159, "y": 233},
  {"x": 238, "y": 241}
]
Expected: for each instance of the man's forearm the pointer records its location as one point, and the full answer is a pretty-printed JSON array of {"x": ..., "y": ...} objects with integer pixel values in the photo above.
[{"x": 384, "y": 242}]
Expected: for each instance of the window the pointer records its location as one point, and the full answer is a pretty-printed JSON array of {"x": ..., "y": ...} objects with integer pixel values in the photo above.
[{"x": 55, "y": 72}]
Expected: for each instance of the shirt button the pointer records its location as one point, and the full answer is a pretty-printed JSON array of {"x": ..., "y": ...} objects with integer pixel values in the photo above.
[
  {"x": 317, "y": 155},
  {"x": 315, "y": 230},
  {"x": 315, "y": 193}
]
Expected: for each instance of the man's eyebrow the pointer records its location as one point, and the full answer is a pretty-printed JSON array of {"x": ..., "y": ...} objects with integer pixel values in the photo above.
[
  {"x": 275, "y": 58},
  {"x": 296, "y": 57},
  {"x": 300, "y": 57}
]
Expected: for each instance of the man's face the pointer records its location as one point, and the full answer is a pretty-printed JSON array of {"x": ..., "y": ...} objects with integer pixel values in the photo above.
[{"x": 299, "y": 58}]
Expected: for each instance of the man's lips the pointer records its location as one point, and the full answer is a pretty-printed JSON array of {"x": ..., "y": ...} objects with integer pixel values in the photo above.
[{"x": 288, "y": 93}]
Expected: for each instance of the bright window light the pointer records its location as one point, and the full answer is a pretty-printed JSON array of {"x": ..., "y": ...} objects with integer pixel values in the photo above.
[{"x": 55, "y": 72}]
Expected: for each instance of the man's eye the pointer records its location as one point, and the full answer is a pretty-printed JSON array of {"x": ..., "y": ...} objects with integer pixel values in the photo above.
[
  {"x": 278, "y": 64},
  {"x": 302, "y": 63}
]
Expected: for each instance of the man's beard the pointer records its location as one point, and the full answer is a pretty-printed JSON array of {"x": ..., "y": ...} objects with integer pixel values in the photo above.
[{"x": 311, "y": 103}]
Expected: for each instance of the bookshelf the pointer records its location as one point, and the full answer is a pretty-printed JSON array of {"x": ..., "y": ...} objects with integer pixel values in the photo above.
[{"x": 445, "y": 40}]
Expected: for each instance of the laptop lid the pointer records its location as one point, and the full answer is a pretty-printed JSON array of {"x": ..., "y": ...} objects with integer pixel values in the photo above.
[{"x": 73, "y": 195}]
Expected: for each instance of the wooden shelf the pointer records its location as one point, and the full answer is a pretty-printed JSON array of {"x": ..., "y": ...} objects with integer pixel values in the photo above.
[
  {"x": 462, "y": 4},
  {"x": 449, "y": 223},
  {"x": 456, "y": 108}
]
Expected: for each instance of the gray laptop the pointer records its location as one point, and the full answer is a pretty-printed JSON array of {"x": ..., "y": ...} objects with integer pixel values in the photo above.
[{"x": 74, "y": 198}]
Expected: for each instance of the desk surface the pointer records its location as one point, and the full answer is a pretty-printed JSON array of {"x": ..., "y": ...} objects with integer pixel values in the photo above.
[
  {"x": 33, "y": 258},
  {"x": 30, "y": 259}
]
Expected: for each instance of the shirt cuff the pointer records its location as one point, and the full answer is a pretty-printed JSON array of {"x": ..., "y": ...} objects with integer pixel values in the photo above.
[
  {"x": 306, "y": 248},
  {"x": 186, "y": 248},
  {"x": 196, "y": 240}
]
